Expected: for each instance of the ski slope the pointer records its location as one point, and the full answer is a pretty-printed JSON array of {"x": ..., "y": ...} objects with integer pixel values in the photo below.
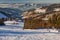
[
  {"x": 31, "y": 37},
  {"x": 16, "y": 32}
]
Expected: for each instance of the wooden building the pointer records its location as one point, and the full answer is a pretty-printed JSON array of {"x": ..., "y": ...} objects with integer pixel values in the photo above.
[{"x": 37, "y": 21}]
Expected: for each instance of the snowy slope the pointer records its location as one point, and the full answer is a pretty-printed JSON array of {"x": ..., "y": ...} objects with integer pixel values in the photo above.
[
  {"x": 16, "y": 32},
  {"x": 31, "y": 37}
]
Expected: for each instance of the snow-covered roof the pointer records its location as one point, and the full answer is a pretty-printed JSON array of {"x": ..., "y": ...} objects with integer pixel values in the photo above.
[{"x": 56, "y": 9}]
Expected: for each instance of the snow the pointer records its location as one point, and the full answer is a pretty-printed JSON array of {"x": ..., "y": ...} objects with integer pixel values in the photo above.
[
  {"x": 40, "y": 10},
  {"x": 16, "y": 32},
  {"x": 57, "y": 9},
  {"x": 10, "y": 22},
  {"x": 31, "y": 37}
]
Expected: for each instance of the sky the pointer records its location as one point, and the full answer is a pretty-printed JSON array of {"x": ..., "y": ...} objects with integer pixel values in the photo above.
[{"x": 29, "y": 1}]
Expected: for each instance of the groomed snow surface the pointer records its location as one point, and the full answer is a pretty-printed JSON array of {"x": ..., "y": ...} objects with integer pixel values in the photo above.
[
  {"x": 16, "y": 32},
  {"x": 31, "y": 37}
]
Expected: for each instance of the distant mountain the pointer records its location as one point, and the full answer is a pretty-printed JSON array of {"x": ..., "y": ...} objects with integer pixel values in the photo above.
[
  {"x": 14, "y": 13},
  {"x": 52, "y": 6}
]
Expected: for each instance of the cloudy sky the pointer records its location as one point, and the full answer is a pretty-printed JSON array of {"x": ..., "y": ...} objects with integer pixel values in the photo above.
[{"x": 31, "y": 1}]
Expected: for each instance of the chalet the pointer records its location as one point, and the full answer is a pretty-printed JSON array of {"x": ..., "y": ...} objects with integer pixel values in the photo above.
[
  {"x": 34, "y": 20},
  {"x": 42, "y": 17}
]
